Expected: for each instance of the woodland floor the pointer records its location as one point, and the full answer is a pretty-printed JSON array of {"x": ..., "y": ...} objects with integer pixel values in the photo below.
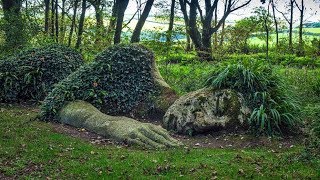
[{"x": 33, "y": 149}]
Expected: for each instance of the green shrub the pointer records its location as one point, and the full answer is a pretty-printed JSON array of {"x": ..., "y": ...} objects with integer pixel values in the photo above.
[
  {"x": 272, "y": 107},
  {"x": 30, "y": 74},
  {"x": 316, "y": 86},
  {"x": 117, "y": 81}
]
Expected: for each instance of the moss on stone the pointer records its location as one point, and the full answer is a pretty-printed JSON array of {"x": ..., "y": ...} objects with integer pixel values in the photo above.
[{"x": 81, "y": 114}]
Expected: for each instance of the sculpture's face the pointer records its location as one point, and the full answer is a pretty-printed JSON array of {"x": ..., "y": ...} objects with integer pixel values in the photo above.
[{"x": 206, "y": 110}]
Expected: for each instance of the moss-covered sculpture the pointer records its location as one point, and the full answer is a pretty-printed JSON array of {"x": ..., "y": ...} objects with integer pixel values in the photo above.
[
  {"x": 30, "y": 74},
  {"x": 123, "y": 80},
  {"x": 83, "y": 115},
  {"x": 206, "y": 110}
]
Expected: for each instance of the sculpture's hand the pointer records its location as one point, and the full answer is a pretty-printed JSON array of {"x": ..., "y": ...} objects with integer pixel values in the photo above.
[
  {"x": 83, "y": 115},
  {"x": 142, "y": 134}
]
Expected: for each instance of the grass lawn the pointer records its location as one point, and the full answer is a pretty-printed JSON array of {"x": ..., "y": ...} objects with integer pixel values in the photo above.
[
  {"x": 32, "y": 149},
  {"x": 313, "y": 30},
  {"x": 272, "y": 40}
]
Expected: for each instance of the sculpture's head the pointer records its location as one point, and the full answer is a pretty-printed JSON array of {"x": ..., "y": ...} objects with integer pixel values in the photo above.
[{"x": 119, "y": 81}]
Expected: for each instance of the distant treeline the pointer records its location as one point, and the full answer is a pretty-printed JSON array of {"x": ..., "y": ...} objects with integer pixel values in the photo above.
[{"x": 312, "y": 25}]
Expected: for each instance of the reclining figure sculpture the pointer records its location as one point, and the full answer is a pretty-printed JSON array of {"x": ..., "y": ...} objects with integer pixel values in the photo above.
[{"x": 121, "y": 81}]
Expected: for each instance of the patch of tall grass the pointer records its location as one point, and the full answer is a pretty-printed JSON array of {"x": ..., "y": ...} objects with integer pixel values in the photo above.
[{"x": 273, "y": 107}]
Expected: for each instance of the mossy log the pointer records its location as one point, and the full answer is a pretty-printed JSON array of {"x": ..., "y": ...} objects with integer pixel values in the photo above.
[{"x": 81, "y": 114}]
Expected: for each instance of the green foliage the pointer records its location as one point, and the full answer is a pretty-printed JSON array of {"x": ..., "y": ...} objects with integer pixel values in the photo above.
[
  {"x": 289, "y": 60},
  {"x": 312, "y": 146},
  {"x": 187, "y": 76},
  {"x": 181, "y": 58},
  {"x": 273, "y": 109},
  {"x": 305, "y": 84},
  {"x": 13, "y": 26},
  {"x": 116, "y": 82},
  {"x": 316, "y": 86},
  {"x": 30, "y": 74}
]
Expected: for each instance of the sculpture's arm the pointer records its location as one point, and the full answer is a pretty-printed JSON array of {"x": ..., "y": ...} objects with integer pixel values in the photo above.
[{"x": 83, "y": 115}]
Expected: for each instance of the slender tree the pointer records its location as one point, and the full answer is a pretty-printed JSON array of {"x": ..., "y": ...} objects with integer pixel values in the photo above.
[
  {"x": 112, "y": 21},
  {"x": 275, "y": 22},
  {"x": 56, "y": 20},
  {"x": 265, "y": 15},
  {"x": 52, "y": 18},
  {"x": 97, "y": 5},
  {"x": 73, "y": 21},
  {"x": 289, "y": 21},
  {"x": 46, "y": 16},
  {"x": 137, "y": 30},
  {"x": 301, "y": 9},
  {"x": 62, "y": 24},
  {"x": 14, "y": 26},
  {"x": 291, "y": 25},
  {"x": 171, "y": 21},
  {"x": 81, "y": 23},
  {"x": 223, "y": 24},
  {"x": 215, "y": 41},
  {"x": 121, "y": 8}
]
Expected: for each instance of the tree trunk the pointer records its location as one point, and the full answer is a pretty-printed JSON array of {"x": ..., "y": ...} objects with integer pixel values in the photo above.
[
  {"x": 186, "y": 21},
  {"x": 14, "y": 25},
  {"x": 113, "y": 20},
  {"x": 46, "y": 16},
  {"x": 99, "y": 20},
  {"x": 193, "y": 29},
  {"x": 223, "y": 25},
  {"x": 301, "y": 48},
  {"x": 291, "y": 26},
  {"x": 204, "y": 51},
  {"x": 73, "y": 22},
  {"x": 57, "y": 21},
  {"x": 275, "y": 23},
  {"x": 62, "y": 24},
  {"x": 170, "y": 29},
  {"x": 122, "y": 6},
  {"x": 188, "y": 45},
  {"x": 81, "y": 23},
  {"x": 267, "y": 31},
  {"x": 52, "y": 18},
  {"x": 216, "y": 33},
  {"x": 137, "y": 30}
]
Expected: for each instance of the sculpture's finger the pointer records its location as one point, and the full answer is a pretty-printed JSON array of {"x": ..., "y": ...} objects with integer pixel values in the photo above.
[
  {"x": 153, "y": 135},
  {"x": 139, "y": 143},
  {"x": 165, "y": 134},
  {"x": 158, "y": 136},
  {"x": 148, "y": 141}
]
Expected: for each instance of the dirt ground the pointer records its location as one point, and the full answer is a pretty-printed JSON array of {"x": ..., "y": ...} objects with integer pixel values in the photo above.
[{"x": 220, "y": 139}]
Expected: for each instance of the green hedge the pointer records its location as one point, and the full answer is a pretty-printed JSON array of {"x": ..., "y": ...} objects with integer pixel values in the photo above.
[
  {"x": 117, "y": 81},
  {"x": 30, "y": 74}
]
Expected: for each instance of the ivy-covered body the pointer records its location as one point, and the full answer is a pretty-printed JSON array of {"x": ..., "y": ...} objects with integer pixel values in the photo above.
[{"x": 30, "y": 74}]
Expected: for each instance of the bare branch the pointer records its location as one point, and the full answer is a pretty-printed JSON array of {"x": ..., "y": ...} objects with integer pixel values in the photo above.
[
  {"x": 243, "y": 5},
  {"x": 283, "y": 14}
]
